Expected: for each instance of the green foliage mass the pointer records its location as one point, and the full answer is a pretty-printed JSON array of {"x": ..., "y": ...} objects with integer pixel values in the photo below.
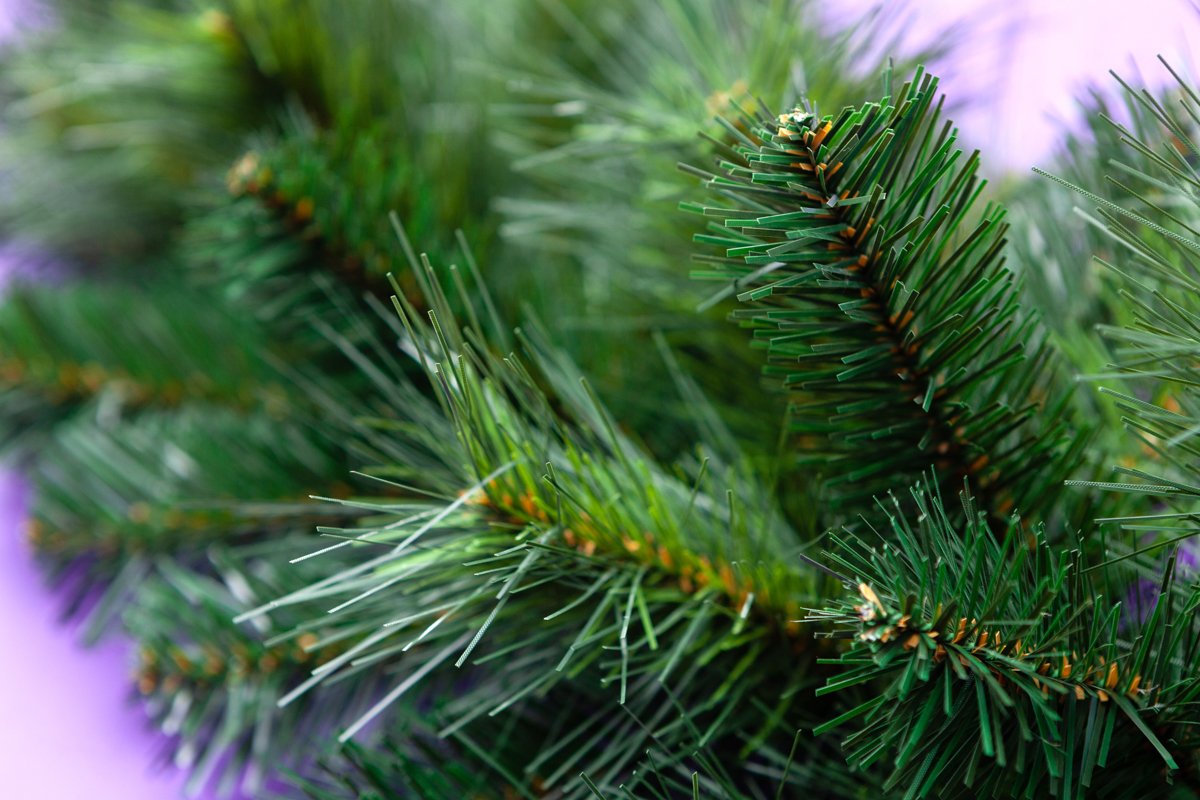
[{"x": 836, "y": 519}]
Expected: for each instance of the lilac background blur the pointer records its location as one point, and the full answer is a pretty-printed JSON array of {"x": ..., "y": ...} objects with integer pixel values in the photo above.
[
  {"x": 68, "y": 730},
  {"x": 1027, "y": 60}
]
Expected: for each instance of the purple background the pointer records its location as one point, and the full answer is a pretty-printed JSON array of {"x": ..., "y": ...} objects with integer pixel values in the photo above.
[
  {"x": 1027, "y": 60},
  {"x": 68, "y": 729}
]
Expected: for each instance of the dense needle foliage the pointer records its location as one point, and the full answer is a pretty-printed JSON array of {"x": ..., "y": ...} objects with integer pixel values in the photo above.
[{"x": 375, "y": 401}]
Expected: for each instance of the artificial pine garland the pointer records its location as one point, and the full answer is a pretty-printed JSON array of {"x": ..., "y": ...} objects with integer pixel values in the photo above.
[{"x": 569, "y": 545}]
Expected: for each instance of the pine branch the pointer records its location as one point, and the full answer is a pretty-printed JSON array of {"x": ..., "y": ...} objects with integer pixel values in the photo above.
[
  {"x": 74, "y": 350},
  {"x": 213, "y": 686},
  {"x": 98, "y": 167},
  {"x": 102, "y": 168},
  {"x": 595, "y": 131},
  {"x": 657, "y": 594},
  {"x": 113, "y": 499},
  {"x": 317, "y": 202},
  {"x": 1002, "y": 671},
  {"x": 1063, "y": 264},
  {"x": 1146, "y": 216},
  {"x": 656, "y": 73},
  {"x": 876, "y": 285}
]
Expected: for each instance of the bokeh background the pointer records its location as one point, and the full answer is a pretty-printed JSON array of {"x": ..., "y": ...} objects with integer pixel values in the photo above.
[{"x": 69, "y": 727}]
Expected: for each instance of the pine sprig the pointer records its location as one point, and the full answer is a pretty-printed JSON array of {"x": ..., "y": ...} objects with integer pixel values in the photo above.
[
  {"x": 876, "y": 285},
  {"x": 1148, "y": 219},
  {"x": 99, "y": 168},
  {"x": 316, "y": 201},
  {"x": 594, "y": 131},
  {"x": 66, "y": 349},
  {"x": 1000, "y": 668},
  {"x": 213, "y": 687},
  {"x": 657, "y": 594},
  {"x": 113, "y": 499}
]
